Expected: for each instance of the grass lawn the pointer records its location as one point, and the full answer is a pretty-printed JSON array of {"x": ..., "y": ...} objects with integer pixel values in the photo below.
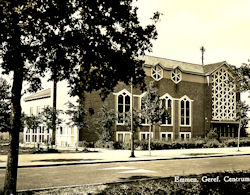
[
  {"x": 34, "y": 150},
  {"x": 22, "y": 150},
  {"x": 162, "y": 186}
]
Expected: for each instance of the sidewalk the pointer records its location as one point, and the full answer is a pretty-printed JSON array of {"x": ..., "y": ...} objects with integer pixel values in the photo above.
[{"x": 108, "y": 156}]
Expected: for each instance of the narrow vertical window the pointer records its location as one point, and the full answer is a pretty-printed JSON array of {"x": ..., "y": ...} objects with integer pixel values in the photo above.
[
  {"x": 167, "y": 104},
  {"x": 123, "y": 107},
  {"x": 185, "y": 108}
]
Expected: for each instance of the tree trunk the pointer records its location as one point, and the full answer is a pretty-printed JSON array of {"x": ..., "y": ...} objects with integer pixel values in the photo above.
[
  {"x": 149, "y": 140},
  {"x": 12, "y": 162}
]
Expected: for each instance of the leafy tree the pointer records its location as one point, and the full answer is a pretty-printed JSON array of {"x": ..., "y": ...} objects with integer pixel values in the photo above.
[
  {"x": 242, "y": 114},
  {"x": 32, "y": 122},
  {"x": 242, "y": 77},
  {"x": 152, "y": 112},
  {"x": 47, "y": 117},
  {"x": 76, "y": 114},
  {"x": 5, "y": 106},
  {"x": 105, "y": 121},
  {"x": 242, "y": 81},
  {"x": 93, "y": 44},
  {"x": 136, "y": 123}
]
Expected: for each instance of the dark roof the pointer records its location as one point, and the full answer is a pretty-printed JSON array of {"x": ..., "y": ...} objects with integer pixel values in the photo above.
[
  {"x": 39, "y": 95},
  {"x": 184, "y": 66},
  {"x": 209, "y": 68}
]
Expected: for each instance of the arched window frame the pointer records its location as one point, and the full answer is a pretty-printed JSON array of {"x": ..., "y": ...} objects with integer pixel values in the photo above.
[
  {"x": 157, "y": 72},
  {"x": 176, "y": 75},
  {"x": 185, "y": 99},
  {"x": 123, "y": 93},
  {"x": 165, "y": 98}
]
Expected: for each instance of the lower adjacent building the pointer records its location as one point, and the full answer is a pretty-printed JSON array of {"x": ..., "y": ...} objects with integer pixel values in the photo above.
[
  {"x": 198, "y": 98},
  {"x": 34, "y": 104}
]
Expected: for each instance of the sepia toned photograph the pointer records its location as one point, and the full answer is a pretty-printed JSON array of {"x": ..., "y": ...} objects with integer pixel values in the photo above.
[{"x": 124, "y": 97}]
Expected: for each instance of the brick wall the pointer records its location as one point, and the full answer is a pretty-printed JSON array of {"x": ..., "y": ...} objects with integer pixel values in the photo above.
[{"x": 199, "y": 92}]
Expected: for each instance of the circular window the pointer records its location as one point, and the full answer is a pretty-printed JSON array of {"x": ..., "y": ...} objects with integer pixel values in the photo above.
[
  {"x": 157, "y": 73},
  {"x": 176, "y": 75}
]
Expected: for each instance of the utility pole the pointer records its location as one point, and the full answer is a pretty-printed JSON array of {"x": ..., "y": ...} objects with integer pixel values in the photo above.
[
  {"x": 131, "y": 125},
  {"x": 202, "y": 54}
]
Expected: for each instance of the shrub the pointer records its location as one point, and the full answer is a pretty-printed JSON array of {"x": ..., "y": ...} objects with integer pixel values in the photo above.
[
  {"x": 177, "y": 144},
  {"x": 199, "y": 143},
  {"x": 245, "y": 141},
  {"x": 230, "y": 142},
  {"x": 109, "y": 145},
  {"x": 212, "y": 144},
  {"x": 4, "y": 136},
  {"x": 83, "y": 144},
  {"x": 212, "y": 135}
]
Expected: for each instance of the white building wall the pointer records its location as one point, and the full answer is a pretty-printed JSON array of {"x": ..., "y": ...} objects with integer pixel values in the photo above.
[{"x": 65, "y": 135}]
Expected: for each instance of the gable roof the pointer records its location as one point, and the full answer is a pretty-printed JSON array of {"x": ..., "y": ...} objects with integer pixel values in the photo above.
[
  {"x": 183, "y": 66},
  {"x": 39, "y": 95},
  {"x": 210, "y": 68}
]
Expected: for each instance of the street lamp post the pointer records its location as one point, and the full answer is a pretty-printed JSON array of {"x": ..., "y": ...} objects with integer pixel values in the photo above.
[
  {"x": 131, "y": 121},
  {"x": 238, "y": 144}
]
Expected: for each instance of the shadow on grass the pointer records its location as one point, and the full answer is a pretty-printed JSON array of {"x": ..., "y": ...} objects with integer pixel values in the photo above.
[
  {"x": 63, "y": 160},
  {"x": 198, "y": 154},
  {"x": 137, "y": 177}
]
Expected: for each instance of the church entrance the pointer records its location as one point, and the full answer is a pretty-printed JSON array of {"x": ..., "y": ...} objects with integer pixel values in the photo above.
[{"x": 225, "y": 129}]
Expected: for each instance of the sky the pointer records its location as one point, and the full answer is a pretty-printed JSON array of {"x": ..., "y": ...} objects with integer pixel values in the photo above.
[{"x": 221, "y": 26}]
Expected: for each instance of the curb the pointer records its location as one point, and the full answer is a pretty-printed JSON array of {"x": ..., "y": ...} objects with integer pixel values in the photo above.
[{"x": 124, "y": 161}]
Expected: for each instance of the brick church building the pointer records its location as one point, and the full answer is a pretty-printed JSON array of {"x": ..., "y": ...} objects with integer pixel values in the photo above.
[{"x": 197, "y": 97}]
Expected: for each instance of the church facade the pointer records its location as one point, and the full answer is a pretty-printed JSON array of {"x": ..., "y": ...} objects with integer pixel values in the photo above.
[{"x": 198, "y": 98}]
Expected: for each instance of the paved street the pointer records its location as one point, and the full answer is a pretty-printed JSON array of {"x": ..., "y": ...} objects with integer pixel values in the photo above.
[{"x": 30, "y": 178}]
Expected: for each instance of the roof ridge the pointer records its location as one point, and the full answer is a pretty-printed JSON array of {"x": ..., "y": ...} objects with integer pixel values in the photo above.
[
  {"x": 216, "y": 63},
  {"x": 173, "y": 60}
]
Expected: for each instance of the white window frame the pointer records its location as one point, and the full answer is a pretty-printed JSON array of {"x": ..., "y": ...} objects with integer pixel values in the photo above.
[
  {"x": 157, "y": 70},
  {"x": 147, "y": 133},
  {"x": 117, "y": 95},
  {"x": 167, "y": 133},
  {"x": 190, "y": 111},
  {"x": 185, "y": 135},
  {"x": 165, "y": 97},
  {"x": 37, "y": 133},
  {"x": 31, "y": 111},
  {"x": 38, "y": 110},
  {"x": 176, "y": 73},
  {"x": 123, "y": 135}
]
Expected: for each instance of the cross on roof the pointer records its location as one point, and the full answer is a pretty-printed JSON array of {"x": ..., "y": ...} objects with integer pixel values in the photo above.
[{"x": 202, "y": 54}]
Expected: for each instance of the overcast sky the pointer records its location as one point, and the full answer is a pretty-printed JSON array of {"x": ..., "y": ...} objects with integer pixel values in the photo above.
[{"x": 221, "y": 26}]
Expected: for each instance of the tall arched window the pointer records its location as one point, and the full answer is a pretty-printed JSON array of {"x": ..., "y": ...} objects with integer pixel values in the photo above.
[
  {"x": 185, "y": 111},
  {"x": 167, "y": 103},
  {"x": 123, "y": 106}
]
